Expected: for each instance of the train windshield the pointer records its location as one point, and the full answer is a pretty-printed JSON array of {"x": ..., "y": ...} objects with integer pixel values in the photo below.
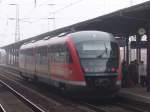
[{"x": 98, "y": 56}]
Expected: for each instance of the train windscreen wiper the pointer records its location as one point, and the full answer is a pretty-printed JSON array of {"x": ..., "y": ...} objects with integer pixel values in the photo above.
[{"x": 105, "y": 51}]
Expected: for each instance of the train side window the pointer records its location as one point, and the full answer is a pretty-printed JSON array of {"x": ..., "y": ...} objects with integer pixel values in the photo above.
[
  {"x": 65, "y": 54},
  {"x": 60, "y": 57},
  {"x": 51, "y": 53},
  {"x": 29, "y": 55},
  {"x": 21, "y": 55},
  {"x": 41, "y": 54},
  {"x": 37, "y": 55},
  {"x": 44, "y": 55},
  {"x": 68, "y": 55},
  {"x": 59, "y": 54}
]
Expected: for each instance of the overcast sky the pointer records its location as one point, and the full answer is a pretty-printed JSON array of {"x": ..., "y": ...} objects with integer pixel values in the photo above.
[{"x": 34, "y": 19}]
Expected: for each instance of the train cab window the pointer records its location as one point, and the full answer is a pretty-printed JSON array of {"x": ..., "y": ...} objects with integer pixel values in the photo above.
[{"x": 98, "y": 54}]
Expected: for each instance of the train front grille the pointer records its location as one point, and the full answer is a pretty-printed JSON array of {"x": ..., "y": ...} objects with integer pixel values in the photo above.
[{"x": 100, "y": 81}]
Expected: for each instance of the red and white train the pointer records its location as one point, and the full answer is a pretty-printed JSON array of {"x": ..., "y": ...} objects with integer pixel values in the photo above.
[{"x": 81, "y": 61}]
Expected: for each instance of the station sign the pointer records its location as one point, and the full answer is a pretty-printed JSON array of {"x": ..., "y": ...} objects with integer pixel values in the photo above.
[{"x": 140, "y": 44}]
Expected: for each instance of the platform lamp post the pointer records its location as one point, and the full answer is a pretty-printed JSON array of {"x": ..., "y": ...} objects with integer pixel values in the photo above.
[
  {"x": 17, "y": 29},
  {"x": 148, "y": 58}
]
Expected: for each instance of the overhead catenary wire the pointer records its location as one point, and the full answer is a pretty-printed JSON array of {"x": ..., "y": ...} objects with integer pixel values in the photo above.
[{"x": 68, "y": 5}]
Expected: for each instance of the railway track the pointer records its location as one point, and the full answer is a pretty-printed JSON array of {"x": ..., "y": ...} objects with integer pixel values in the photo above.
[
  {"x": 30, "y": 104},
  {"x": 2, "y": 109},
  {"x": 124, "y": 105},
  {"x": 28, "y": 96},
  {"x": 56, "y": 104},
  {"x": 43, "y": 90},
  {"x": 117, "y": 107}
]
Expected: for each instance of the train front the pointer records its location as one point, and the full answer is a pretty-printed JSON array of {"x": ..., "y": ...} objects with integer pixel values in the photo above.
[{"x": 98, "y": 56}]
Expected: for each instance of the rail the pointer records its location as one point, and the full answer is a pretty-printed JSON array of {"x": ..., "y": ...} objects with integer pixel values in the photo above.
[
  {"x": 125, "y": 107},
  {"x": 22, "y": 98},
  {"x": 2, "y": 109},
  {"x": 114, "y": 107}
]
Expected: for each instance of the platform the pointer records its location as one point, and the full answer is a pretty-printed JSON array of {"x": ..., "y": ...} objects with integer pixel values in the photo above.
[{"x": 137, "y": 93}]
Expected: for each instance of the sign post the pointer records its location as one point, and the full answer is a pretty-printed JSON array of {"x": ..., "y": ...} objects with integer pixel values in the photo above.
[{"x": 148, "y": 59}]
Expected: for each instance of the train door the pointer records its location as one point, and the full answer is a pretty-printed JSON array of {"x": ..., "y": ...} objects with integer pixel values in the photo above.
[{"x": 34, "y": 60}]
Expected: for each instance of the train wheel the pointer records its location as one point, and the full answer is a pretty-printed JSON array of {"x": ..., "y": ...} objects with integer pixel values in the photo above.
[
  {"x": 24, "y": 78},
  {"x": 20, "y": 73},
  {"x": 62, "y": 87},
  {"x": 35, "y": 78}
]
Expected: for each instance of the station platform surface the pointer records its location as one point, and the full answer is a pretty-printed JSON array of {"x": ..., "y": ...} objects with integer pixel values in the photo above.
[{"x": 137, "y": 93}]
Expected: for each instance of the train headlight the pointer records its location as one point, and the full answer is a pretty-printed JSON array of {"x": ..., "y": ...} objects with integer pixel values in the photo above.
[
  {"x": 113, "y": 69},
  {"x": 118, "y": 82}
]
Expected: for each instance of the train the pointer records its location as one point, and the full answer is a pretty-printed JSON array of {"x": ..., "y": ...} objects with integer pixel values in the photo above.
[{"x": 82, "y": 61}]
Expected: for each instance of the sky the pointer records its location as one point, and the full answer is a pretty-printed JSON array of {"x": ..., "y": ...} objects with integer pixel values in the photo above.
[{"x": 48, "y": 15}]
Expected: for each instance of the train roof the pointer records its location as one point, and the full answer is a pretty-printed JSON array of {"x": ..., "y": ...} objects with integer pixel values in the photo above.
[
  {"x": 76, "y": 36},
  {"x": 92, "y": 34},
  {"x": 45, "y": 41}
]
